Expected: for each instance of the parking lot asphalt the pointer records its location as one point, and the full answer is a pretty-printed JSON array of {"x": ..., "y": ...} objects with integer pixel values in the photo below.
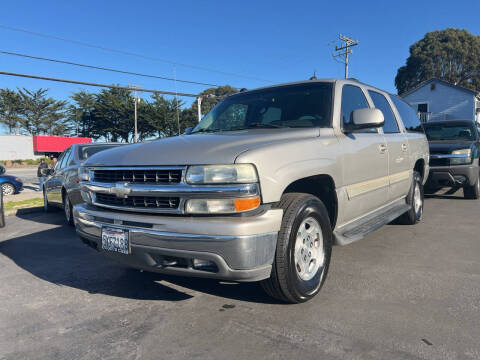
[{"x": 403, "y": 292}]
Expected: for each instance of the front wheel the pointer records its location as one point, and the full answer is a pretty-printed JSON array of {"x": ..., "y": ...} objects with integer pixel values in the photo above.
[
  {"x": 67, "y": 207},
  {"x": 8, "y": 189},
  {"x": 415, "y": 200},
  {"x": 304, "y": 248},
  {"x": 472, "y": 192},
  {"x": 46, "y": 205}
]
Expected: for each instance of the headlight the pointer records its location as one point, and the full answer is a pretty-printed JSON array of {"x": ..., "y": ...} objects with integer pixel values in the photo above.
[
  {"x": 83, "y": 174},
  {"x": 86, "y": 196},
  {"x": 465, "y": 157},
  {"x": 221, "y": 206},
  {"x": 222, "y": 174}
]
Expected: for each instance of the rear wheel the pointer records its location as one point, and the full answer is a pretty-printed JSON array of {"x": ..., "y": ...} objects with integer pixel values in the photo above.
[
  {"x": 67, "y": 207},
  {"x": 415, "y": 199},
  {"x": 304, "y": 248},
  {"x": 8, "y": 189},
  {"x": 472, "y": 192}
]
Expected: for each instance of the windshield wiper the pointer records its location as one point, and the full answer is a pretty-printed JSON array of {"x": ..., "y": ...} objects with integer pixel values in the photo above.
[
  {"x": 266, "y": 125},
  {"x": 259, "y": 126},
  {"x": 205, "y": 130}
]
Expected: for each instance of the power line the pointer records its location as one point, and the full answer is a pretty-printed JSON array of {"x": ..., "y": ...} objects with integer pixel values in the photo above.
[
  {"x": 129, "y": 53},
  {"x": 103, "y": 68},
  {"x": 95, "y": 84}
]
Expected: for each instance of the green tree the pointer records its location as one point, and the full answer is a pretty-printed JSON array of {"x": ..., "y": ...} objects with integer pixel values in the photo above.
[
  {"x": 80, "y": 114},
  {"x": 452, "y": 55},
  {"x": 10, "y": 109},
  {"x": 211, "y": 97},
  {"x": 113, "y": 115},
  {"x": 41, "y": 114},
  {"x": 166, "y": 114}
]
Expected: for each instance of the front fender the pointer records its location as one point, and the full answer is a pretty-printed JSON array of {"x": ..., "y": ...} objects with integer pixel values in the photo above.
[{"x": 280, "y": 165}]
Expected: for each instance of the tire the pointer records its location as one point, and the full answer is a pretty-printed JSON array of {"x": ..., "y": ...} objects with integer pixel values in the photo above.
[
  {"x": 2, "y": 213},
  {"x": 472, "y": 192},
  {"x": 46, "y": 206},
  {"x": 8, "y": 189},
  {"x": 68, "y": 210},
  {"x": 415, "y": 199},
  {"x": 305, "y": 226}
]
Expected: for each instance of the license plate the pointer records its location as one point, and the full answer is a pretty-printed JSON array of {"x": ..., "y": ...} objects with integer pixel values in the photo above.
[{"x": 115, "y": 240}]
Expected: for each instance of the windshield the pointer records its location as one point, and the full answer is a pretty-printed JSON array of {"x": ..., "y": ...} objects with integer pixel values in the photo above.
[
  {"x": 84, "y": 152},
  {"x": 294, "y": 106},
  {"x": 449, "y": 132}
]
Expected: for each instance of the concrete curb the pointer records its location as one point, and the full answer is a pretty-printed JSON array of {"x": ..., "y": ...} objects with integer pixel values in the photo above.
[{"x": 15, "y": 212}]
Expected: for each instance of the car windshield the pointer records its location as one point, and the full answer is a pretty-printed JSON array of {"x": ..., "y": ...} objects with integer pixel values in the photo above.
[
  {"x": 449, "y": 132},
  {"x": 293, "y": 106},
  {"x": 84, "y": 152}
]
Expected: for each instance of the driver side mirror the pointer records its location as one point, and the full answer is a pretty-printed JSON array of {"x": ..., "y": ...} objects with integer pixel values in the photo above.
[
  {"x": 365, "y": 119},
  {"x": 188, "y": 130}
]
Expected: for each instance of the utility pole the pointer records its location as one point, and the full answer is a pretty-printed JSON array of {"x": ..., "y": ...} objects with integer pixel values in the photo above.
[
  {"x": 340, "y": 53},
  {"x": 135, "y": 102},
  {"x": 199, "y": 108}
]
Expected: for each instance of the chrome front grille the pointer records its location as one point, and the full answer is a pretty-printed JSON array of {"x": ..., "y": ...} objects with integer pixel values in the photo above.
[
  {"x": 138, "y": 202},
  {"x": 141, "y": 175}
]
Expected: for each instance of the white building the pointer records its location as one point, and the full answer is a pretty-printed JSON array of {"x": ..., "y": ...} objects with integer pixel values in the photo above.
[
  {"x": 436, "y": 99},
  {"x": 16, "y": 147}
]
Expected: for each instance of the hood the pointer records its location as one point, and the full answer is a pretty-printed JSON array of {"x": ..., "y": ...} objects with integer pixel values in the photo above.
[
  {"x": 9, "y": 177},
  {"x": 195, "y": 149},
  {"x": 447, "y": 146}
]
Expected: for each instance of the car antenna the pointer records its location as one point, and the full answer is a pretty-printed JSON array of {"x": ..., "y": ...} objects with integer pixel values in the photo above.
[{"x": 314, "y": 76}]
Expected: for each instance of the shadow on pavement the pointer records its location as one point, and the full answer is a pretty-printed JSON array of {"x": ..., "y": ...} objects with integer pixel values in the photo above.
[
  {"x": 57, "y": 256},
  {"x": 53, "y": 217}
]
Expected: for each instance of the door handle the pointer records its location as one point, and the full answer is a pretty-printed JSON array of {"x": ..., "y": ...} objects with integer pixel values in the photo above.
[
  {"x": 404, "y": 147},
  {"x": 382, "y": 148}
]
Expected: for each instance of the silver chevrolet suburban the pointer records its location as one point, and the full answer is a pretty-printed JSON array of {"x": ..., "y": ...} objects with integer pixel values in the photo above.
[{"x": 262, "y": 187}]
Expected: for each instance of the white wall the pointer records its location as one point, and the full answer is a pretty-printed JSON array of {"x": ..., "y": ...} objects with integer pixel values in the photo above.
[
  {"x": 14, "y": 147},
  {"x": 444, "y": 102}
]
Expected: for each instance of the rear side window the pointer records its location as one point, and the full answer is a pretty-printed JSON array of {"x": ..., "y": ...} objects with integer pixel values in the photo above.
[
  {"x": 408, "y": 114},
  {"x": 381, "y": 103}
]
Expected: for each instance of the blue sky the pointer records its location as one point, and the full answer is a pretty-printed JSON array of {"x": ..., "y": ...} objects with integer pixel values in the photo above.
[{"x": 278, "y": 41}]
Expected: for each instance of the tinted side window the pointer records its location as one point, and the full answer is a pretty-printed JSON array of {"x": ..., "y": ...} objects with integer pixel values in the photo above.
[
  {"x": 352, "y": 99},
  {"x": 382, "y": 104},
  {"x": 59, "y": 161},
  {"x": 408, "y": 114},
  {"x": 63, "y": 161}
]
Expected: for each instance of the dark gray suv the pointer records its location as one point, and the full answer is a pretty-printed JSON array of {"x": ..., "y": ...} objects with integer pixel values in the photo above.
[
  {"x": 454, "y": 152},
  {"x": 61, "y": 188}
]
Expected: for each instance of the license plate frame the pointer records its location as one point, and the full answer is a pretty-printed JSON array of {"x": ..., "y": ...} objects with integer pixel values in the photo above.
[{"x": 115, "y": 240}]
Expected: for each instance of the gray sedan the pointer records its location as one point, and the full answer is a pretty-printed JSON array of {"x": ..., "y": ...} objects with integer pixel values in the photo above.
[{"x": 61, "y": 188}]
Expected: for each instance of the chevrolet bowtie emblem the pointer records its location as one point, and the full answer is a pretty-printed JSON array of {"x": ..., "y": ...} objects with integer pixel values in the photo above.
[{"x": 121, "y": 190}]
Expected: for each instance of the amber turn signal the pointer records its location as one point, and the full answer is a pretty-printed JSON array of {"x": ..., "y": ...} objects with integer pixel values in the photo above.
[{"x": 246, "y": 204}]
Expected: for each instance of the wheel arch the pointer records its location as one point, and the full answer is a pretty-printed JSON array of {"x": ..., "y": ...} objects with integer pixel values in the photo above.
[
  {"x": 420, "y": 167},
  {"x": 321, "y": 186}
]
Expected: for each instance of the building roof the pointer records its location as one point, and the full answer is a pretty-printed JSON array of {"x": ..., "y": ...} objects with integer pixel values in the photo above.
[{"x": 423, "y": 83}]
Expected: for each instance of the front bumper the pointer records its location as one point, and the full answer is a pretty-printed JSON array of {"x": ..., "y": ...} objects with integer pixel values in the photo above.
[
  {"x": 241, "y": 248},
  {"x": 455, "y": 175}
]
